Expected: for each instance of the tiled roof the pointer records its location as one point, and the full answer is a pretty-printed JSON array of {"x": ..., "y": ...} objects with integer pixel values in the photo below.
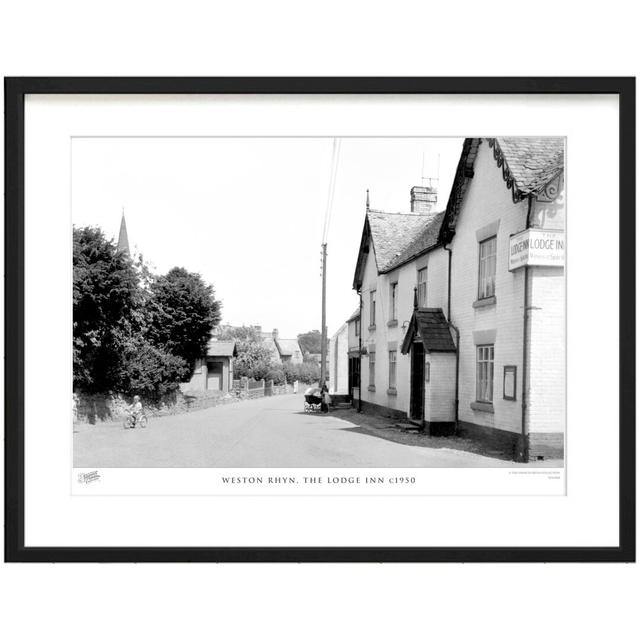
[
  {"x": 221, "y": 348},
  {"x": 398, "y": 237},
  {"x": 527, "y": 164},
  {"x": 393, "y": 232},
  {"x": 288, "y": 346},
  {"x": 271, "y": 345},
  {"x": 354, "y": 316},
  {"x": 533, "y": 162},
  {"x": 432, "y": 327},
  {"x": 425, "y": 239}
]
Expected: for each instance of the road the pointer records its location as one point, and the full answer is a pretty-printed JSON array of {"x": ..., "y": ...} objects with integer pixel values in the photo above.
[{"x": 268, "y": 432}]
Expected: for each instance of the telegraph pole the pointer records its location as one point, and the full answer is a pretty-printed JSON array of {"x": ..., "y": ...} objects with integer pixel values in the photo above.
[{"x": 323, "y": 343}]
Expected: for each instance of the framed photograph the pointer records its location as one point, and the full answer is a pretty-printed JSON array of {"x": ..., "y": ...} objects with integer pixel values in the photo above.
[{"x": 200, "y": 272}]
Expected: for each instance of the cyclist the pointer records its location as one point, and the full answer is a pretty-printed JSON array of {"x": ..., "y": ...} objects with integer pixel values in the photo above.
[{"x": 136, "y": 411}]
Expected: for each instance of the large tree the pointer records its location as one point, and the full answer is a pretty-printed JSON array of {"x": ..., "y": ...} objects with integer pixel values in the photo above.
[
  {"x": 134, "y": 332},
  {"x": 240, "y": 334},
  {"x": 147, "y": 370},
  {"x": 105, "y": 293},
  {"x": 310, "y": 341},
  {"x": 182, "y": 311},
  {"x": 254, "y": 360}
]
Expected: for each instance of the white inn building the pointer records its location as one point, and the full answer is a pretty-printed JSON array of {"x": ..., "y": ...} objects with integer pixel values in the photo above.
[{"x": 462, "y": 313}]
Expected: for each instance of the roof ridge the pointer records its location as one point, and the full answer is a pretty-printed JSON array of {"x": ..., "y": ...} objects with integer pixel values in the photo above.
[{"x": 397, "y": 213}]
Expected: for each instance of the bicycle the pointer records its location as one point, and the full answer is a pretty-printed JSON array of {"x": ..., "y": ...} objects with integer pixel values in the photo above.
[{"x": 130, "y": 422}]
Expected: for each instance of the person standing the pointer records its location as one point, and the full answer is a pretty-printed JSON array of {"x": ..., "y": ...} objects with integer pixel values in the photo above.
[{"x": 326, "y": 399}]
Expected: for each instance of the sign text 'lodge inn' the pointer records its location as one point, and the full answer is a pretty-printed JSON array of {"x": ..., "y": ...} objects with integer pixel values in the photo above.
[{"x": 536, "y": 247}]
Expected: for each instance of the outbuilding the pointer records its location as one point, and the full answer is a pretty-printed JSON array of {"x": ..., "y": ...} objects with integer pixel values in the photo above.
[{"x": 214, "y": 372}]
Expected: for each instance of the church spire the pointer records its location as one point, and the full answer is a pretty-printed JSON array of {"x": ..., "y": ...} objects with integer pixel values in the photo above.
[{"x": 123, "y": 238}]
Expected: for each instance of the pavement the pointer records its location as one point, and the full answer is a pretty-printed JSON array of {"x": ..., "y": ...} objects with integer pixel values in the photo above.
[{"x": 267, "y": 432}]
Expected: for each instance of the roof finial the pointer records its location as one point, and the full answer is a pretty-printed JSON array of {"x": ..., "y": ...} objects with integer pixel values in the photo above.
[
  {"x": 367, "y": 200},
  {"x": 415, "y": 298}
]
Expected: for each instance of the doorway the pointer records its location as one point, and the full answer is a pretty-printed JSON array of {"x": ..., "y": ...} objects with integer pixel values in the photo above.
[
  {"x": 416, "y": 409},
  {"x": 214, "y": 376},
  {"x": 354, "y": 374}
]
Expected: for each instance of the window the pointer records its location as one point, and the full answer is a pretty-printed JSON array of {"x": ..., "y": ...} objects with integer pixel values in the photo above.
[
  {"x": 372, "y": 369},
  {"x": 357, "y": 326},
  {"x": 422, "y": 287},
  {"x": 372, "y": 308},
  {"x": 487, "y": 269},
  {"x": 393, "y": 300},
  {"x": 392, "y": 369},
  {"x": 484, "y": 374}
]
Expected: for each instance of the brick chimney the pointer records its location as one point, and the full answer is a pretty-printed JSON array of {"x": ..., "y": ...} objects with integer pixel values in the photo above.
[
  {"x": 423, "y": 199},
  {"x": 274, "y": 334}
]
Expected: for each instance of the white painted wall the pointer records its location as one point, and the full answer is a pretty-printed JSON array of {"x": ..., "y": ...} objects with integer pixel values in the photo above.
[
  {"x": 487, "y": 202},
  {"x": 388, "y": 335},
  {"x": 338, "y": 361},
  {"x": 546, "y": 366},
  {"x": 440, "y": 389},
  {"x": 353, "y": 341}
]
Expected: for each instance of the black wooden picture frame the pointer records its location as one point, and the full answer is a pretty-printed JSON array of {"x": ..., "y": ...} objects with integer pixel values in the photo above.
[{"x": 15, "y": 91}]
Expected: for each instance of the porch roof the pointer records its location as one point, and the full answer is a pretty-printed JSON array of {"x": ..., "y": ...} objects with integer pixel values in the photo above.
[
  {"x": 221, "y": 348},
  {"x": 431, "y": 327}
]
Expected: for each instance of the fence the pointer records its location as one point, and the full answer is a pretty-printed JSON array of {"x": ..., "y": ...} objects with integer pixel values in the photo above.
[{"x": 248, "y": 388}]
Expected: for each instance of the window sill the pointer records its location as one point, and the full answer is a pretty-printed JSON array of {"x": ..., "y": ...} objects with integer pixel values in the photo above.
[
  {"x": 484, "y": 302},
  {"x": 392, "y": 323},
  {"x": 392, "y": 392},
  {"x": 372, "y": 327},
  {"x": 371, "y": 387},
  {"x": 487, "y": 407}
]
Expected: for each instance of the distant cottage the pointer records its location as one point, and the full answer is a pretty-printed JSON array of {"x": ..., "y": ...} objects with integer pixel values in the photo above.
[
  {"x": 282, "y": 349},
  {"x": 214, "y": 372}
]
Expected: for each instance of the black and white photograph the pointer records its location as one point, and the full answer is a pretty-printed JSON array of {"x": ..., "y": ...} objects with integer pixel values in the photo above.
[
  {"x": 264, "y": 323},
  {"x": 318, "y": 302},
  {"x": 320, "y": 320}
]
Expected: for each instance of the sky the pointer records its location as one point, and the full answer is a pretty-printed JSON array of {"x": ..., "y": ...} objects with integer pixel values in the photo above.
[{"x": 248, "y": 213}]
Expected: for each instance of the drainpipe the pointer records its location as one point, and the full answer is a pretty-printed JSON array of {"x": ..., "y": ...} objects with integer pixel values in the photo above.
[
  {"x": 360, "y": 355},
  {"x": 457, "y": 332},
  {"x": 524, "y": 452}
]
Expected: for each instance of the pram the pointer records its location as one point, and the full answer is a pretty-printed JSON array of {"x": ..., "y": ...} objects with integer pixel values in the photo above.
[{"x": 312, "y": 400}]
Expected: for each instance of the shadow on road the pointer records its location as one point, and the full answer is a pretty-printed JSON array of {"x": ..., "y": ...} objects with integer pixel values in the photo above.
[{"x": 388, "y": 429}]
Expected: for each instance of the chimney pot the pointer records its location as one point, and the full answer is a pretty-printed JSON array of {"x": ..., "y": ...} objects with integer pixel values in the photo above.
[{"x": 423, "y": 199}]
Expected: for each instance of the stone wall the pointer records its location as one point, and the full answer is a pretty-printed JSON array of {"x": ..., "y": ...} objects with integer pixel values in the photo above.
[{"x": 94, "y": 408}]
